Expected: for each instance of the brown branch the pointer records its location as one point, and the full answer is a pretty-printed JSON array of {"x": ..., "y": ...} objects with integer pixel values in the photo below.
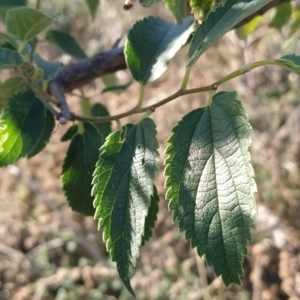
[{"x": 85, "y": 71}]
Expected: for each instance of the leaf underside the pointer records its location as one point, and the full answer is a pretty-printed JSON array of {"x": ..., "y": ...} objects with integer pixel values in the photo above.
[
  {"x": 210, "y": 183},
  {"x": 123, "y": 187}
]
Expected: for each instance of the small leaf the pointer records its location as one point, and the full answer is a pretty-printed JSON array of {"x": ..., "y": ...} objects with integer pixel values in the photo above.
[
  {"x": 290, "y": 62},
  {"x": 66, "y": 42},
  {"x": 123, "y": 187},
  {"x": 22, "y": 127},
  {"x": 177, "y": 8},
  {"x": 78, "y": 168},
  {"x": 25, "y": 23},
  {"x": 151, "y": 217},
  {"x": 295, "y": 20},
  {"x": 117, "y": 88},
  {"x": 93, "y": 6},
  {"x": 69, "y": 134},
  {"x": 244, "y": 31},
  {"x": 151, "y": 43},
  {"x": 210, "y": 183},
  {"x": 222, "y": 19},
  {"x": 148, "y": 3},
  {"x": 98, "y": 110},
  {"x": 200, "y": 8},
  {"x": 9, "y": 58},
  {"x": 282, "y": 16},
  {"x": 9, "y": 88},
  {"x": 50, "y": 69}
]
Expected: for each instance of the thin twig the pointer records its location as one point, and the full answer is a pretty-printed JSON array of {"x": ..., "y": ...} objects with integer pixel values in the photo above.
[{"x": 57, "y": 91}]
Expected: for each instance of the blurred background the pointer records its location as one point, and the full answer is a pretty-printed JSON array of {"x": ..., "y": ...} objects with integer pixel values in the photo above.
[{"x": 49, "y": 252}]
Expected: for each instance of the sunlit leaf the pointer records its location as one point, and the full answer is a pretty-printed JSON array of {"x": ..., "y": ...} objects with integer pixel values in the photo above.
[
  {"x": 222, "y": 19},
  {"x": 123, "y": 188},
  {"x": 210, "y": 183},
  {"x": 23, "y": 127},
  {"x": 150, "y": 45},
  {"x": 151, "y": 217},
  {"x": 25, "y": 23},
  {"x": 66, "y": 42}
]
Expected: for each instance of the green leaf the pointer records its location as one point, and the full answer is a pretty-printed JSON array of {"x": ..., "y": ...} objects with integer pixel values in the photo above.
[
  {"x": 282, "y": 16},
  {"x": 123, "y": 187},
  {"x": 151, "y": 217},
  {"x": 50, "y": 69},
  {"x": 78, "y": 168},
  {"x": 177, "y": 8},
  {"x": 93, "y": 6},
  {"x": 69, "y": 134},
  {"x": 66, "y": 42},
  {"x": 48, "y": 126},
  {"x": 210, "y": 183},
  {"x": 200, "y": 8},
  {"x": 10, "y": 39},
  {"x": 13, "y": 2},
  {"x": 148, "y": 3},
  {"x": 151, "y": 43},
  {"x": 295, "y": 20},
  {"x": 290, "y": 62},
  {"x": 9, "y": 58},
  {"x": 244, "y": 31},
  {"x": 98, "y": 110},
  {"x": 25, "y": 23},
  {"x": 22, "y": 127},
  {"x": 222, "y": 19},
  {"x": 117, "y": 88},
  {"x": 9, "y": 88}
]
